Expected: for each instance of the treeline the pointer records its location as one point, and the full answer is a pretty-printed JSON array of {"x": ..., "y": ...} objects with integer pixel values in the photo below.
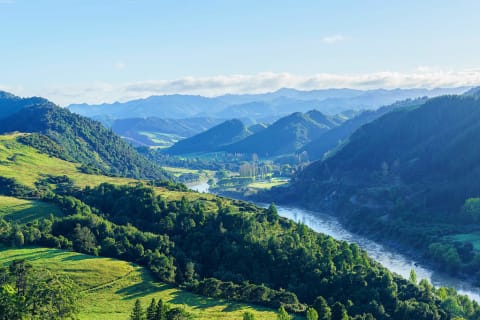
[
  {"x": 158, "y": 310},
  {"x": 233, "y": 250}
]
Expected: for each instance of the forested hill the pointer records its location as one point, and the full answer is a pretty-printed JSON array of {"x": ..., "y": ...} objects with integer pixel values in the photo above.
[
  {"x": 412, "y": 175},
  {"x": 286, "y": 135},
  {"x": 81, "y": 139},
  {"x": 213, "y": 139},
  {"x": 332, "y": 138},
  {"x": 435, "y": 145}
]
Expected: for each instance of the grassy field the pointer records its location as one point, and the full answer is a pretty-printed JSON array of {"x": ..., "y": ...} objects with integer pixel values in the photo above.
[
  {"x": 22, "y": 211},
  {"x": 110, "y": 286},
  {"x": 265, "y": 185},
  {"x": 27, "y": 165}
]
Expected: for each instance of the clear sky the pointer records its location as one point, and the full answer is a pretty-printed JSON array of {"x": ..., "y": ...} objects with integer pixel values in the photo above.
[{"x": 107, "y": 50}]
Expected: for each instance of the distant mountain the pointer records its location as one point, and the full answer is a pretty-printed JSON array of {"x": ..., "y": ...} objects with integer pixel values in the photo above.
[
  {"x": 213, "y": 139},
  {"x": 168, "y": 106},
  {"x": 287, "y": 135},
  {"x": 333, "y": 138},
  {"x": 80, "y": 139},
  {"x": 256, "y": 107},
  {"x": 154, "y": 131}
]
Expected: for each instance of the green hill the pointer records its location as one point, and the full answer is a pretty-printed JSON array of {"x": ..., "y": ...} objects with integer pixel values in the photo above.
[
  {"x": 286, "y": 135},
  {"x": 413, "y": 175},
  {"x": 213, "y": 246},
  {"x": 110, "y": 287},
  {"x": 77, "y": 138},
  {"x": 213, "y": 139},
  {"x": 330, "y": 139}
]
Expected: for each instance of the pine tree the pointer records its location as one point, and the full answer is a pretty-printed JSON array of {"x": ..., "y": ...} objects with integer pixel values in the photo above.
[
  {"x": 151, "y": 310},
  {"x": 137, "y": 311},
  {"x": 161, "y": 310}
]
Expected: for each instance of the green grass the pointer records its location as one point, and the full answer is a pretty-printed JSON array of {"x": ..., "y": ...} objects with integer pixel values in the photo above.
[
  {"x": 27, "y": 165},
  {"x": 23, "y": 211},
  {"x": 110, "y": 287},
  {"x": 265, "y": 185}
]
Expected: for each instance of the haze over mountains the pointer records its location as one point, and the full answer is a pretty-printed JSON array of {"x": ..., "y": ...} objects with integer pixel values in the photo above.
[
  {"x": 255, "y": 106},
  {"x": 161, "y": 121}
]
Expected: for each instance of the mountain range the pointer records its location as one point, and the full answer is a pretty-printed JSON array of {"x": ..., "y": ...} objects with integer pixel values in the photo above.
[{"x": 257, "y": 107}]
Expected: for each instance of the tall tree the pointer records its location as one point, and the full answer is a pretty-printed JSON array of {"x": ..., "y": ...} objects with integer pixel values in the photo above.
[
  {"x": 151, "y": 310},
  {"x": 137, "y": 311},
  {"x": 323, "y": 309}
]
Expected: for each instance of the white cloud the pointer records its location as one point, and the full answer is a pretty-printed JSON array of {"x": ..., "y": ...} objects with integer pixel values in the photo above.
[
  {"x": 333, "y": 39},
  {"x": 422, "y": 77}
]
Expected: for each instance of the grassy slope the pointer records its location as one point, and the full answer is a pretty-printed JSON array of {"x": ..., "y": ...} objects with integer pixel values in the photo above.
[
  {"x": 22, "y": 211},
  {"x": 26, "y": 165},
  {"x": 111, "y": 286}
]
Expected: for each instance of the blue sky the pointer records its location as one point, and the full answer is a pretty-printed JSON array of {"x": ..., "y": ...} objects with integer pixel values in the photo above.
[{"x": 101, "y": 50}]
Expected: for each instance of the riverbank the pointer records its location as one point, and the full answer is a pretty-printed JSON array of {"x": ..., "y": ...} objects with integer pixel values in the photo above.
[{"x": 395, "y": 257}]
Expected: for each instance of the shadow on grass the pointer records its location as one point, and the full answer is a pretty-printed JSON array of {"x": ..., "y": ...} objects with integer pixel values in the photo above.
[
  {"x": 145, "y": 287},
  {"x": 79, "y": 257}
]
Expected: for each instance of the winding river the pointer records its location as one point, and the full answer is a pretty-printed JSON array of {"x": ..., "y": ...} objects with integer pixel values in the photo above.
[{"x": 394, "y": 261}]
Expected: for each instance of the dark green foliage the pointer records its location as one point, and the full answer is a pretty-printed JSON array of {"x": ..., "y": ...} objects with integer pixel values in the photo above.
[
  {"x": 137, "y": 312},
  {"x": 248, "y": 316},
  {"x": 160, "y": 311},
  {"x": 80, "y": 139},
  {"x": 26, "y": 293},
  {"x": 331, "y": 138},
  {"x": 10, "y": 187},
  {"x": 213, "y": 139},
  {"x": 45, "y": 145},
  {"x": 412, "y": 176}
]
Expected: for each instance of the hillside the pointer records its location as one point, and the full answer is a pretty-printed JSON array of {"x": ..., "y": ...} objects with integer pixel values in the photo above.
[
  {"x": 286, "y": 135},
  {"x": 210, "y": 245},
  {"x": 327, "y": 141},
  {"x": 412, "y": 175},
  {"x": 75, "y": 138},
  {"x": 160, "y": 132},
  {"x": 211, "y": 140},
  {"x": 110, "y": 287}
]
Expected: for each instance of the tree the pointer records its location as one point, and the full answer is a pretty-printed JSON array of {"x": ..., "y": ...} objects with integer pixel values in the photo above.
[
  {"x": 413, "y": 276},
  {"x": 137, "y": 311},
  {"x": 161, "y": 310},
  {"x": 282, "y": 314},
  {"x": 323, "y": 309},
  {"x": 339, "y": 312},
  {"x": 248, "y": 316},
  {"x": 151, "y": 310},
  {"x": 312, "y": 314}
]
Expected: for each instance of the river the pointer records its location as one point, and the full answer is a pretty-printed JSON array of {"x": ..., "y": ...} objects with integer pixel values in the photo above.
[{"x": 393, "y": 260}]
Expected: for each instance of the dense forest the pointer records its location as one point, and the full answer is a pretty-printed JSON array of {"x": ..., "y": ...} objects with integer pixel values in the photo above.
[
  {"x": 411, "y": 176},
  {"x": 234, "y": 250}
]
